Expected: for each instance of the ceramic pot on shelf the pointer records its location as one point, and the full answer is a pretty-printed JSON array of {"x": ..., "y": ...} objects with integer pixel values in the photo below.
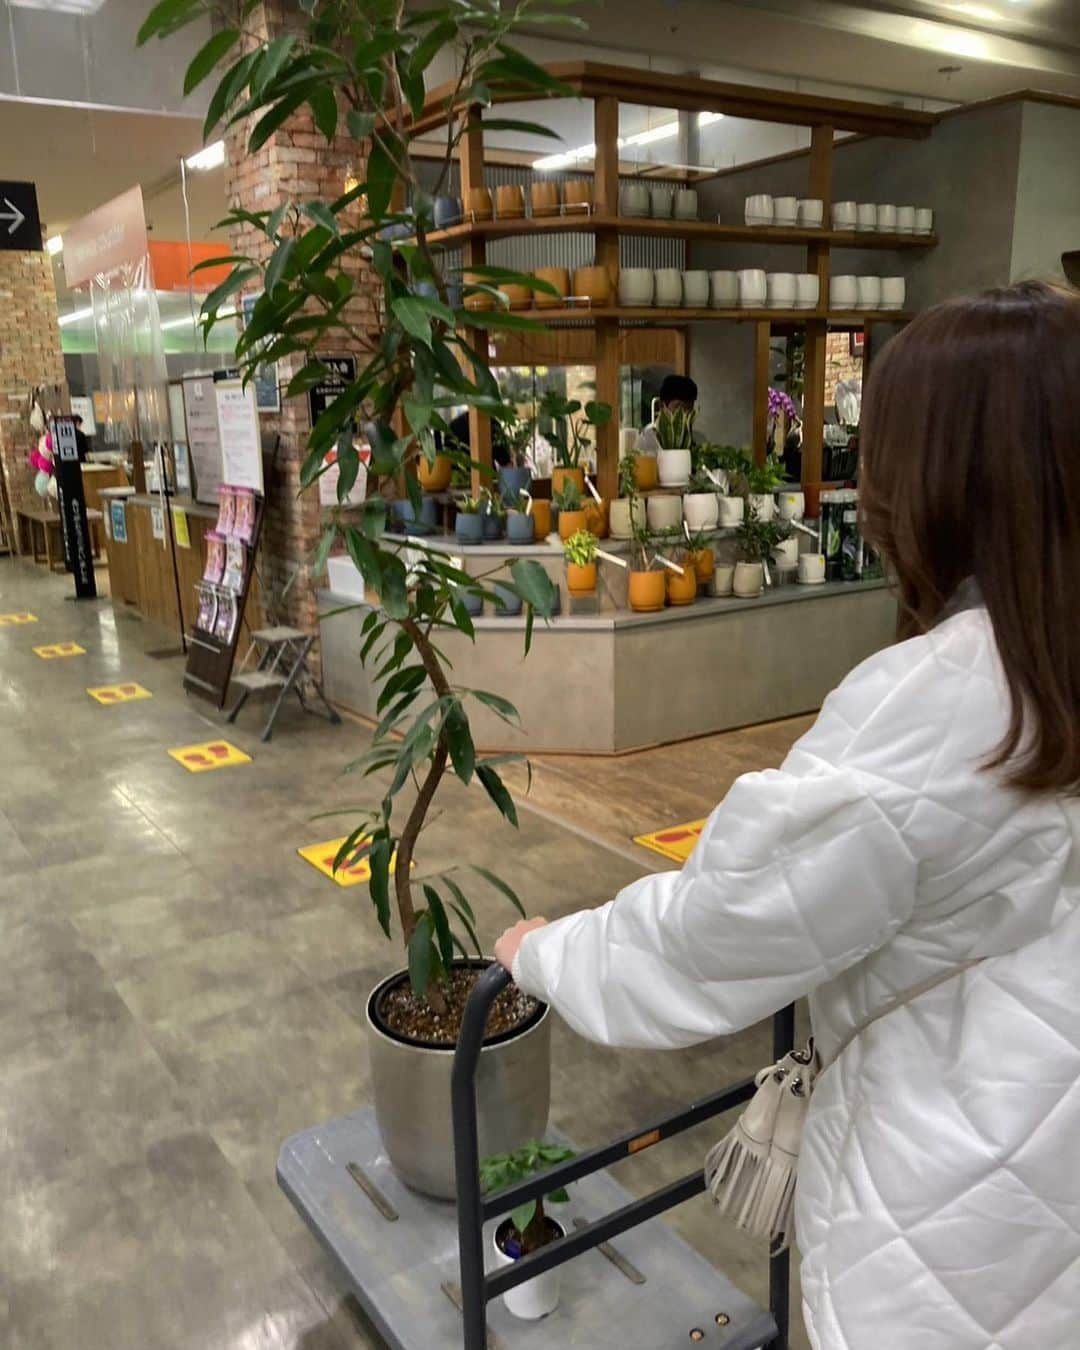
[
  {"x": 636, "y": 287},
  {"x": 544, "y": 197},
  {"x": 704, "y": 560},
  {"x": 924, "y": 220},
  {"x": 785, "y": 210},
  {"x": 752, "y": 288},
  {"x": 634, "y": 199},
  {"x": 512, "y": 482},
  {"x": 723, "y": 290},
  {"x": 663, "y": 510},
  {"x": 661, "y": 200},
  {"x": 559, "y": 277},
  {"x": 905, "y": 220},
  {"x": 507, "y": 601},
  {"x": 893, "y": 292},
  {"x": 446, "y": 211},
  {"x": 646, "y": 472},
  {"x": 686, "y": 204},
  {"x": 597, "y": 515},
  {"x": 811, "y": 212},
  {"x": 434, "y": 477},
  {"x": 673, "y": 467},
  {"x": 764, "y": 503},
  {"x": 593, "y": 284},
  {"x": 520, "y": 528},
  {"x": 621, "y": 521},
  {"x": 749, "y": 580},
  {"x": 845, "y": 215},
  {"x": 570, "y": 522},
  {"x": 701, "y": 511},
  {"x": 667, "y": 288},
  {"x": 469, "y": 528},
  {"x": 647, "y": 591},
  {"x": 541, "y": 514},
  {"x": 510, "y": 201},
  {"x": 682, "y": 590},
  {"x": 478, "y": 299},
  {"x": 780, "y": 290},
  {"x": 868, "y": 292},
  {"x": 886, "y": 218},
  {"x": 581, "y": 578},
  {"x": 478, "y": 204},
  {"x": 786, "y": 553},
  {"x": 695, "y": 290},
  {"x": 722, "y": 578},
  {"x": 560, "y": 476},
  {"x": 491, "y": 526},
  {"x": 758, "y": 209},
  {"x": 843, "y": 292},
  {"x": 517, "y": 295},
  {"x": 578, "y": 194},
  {"x": 730, "y": 512},
  {"x": 790, "y": 504},
  {"x": 866, "y": 217},
  {"x": 807, "y": 290},
  {"x": 811, "y": 568}
]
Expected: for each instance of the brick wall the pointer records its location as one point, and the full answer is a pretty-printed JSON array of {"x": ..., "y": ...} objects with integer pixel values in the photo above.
[
  {"x": 30, "y": 355},
  {"x": 295, "y": 164},
  {"x": 839, "y": 364}
]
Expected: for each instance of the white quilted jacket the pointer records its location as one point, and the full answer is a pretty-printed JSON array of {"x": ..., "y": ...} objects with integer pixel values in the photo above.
[{"x": 938, "y": 1205}]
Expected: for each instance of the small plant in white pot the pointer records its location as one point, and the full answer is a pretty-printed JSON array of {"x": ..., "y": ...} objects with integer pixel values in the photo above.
[
  {"x": 757, "y": 539},
  {"x": 701, "y": 510},
  {"x": 762, "y": 480},
  {"x": 675, "y": 437},
  {"x": 529, "y": 1227}
]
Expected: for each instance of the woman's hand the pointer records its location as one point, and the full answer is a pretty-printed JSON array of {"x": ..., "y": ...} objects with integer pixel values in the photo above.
[{"x": 507, "y": 946}]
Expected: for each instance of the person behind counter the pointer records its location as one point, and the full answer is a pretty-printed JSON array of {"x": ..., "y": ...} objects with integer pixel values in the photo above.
[
  {"x": 678, "y": 393},
  {"x": 82, "y": 440}
]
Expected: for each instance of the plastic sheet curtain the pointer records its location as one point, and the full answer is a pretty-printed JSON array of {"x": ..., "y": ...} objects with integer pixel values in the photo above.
[{"x": 131, "y": 357}]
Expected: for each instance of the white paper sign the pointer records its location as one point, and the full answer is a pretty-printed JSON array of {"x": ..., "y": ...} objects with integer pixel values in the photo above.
[
  {"x": 204, "y": 446},
  {"x": 238, "y": 432},
  {"x": 176, "y": 411},
  {"x": 157, "y": 522}
]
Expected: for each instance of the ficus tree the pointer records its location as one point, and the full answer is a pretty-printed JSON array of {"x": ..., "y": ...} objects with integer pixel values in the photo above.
[{"x": 360, "y": 68}]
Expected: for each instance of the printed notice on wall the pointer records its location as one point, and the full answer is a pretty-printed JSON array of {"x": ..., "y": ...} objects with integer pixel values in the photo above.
[
  {"x": 238, "y": 431},
  {"x": 204, "y": 447}
]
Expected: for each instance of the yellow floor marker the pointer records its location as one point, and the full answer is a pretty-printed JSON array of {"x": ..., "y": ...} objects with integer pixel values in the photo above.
[
  {"x": 59, "y": 649},
  {"x": 7, "y": 620},
  {"x": 119, "y": 693},
  {"x": 676, "y": 843},
  {"x": 209, "y": 755},
  {"x": 321, "y": 857}
]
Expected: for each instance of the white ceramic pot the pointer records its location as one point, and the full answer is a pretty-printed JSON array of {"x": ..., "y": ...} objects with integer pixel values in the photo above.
[
  {"x": 695, "y": 290},
  {"x": 730, "y": 512},
  {"x": 811, "y": 568},
  {"x": 636, "y": 286},
  {"x": 868, "y": 292},
  {"x": 660, "y": 199},
  {"x": 686, "y": 204},
  {"x": 700, "y": 510},
  {"x": 790, "y": 505},
  {"x": 749, "y": 580},
  {"x": 786, "y": 554},
  {"x": 722, "y": 578},
  {"x": 723, "y": 290},
  {"x": 780, "y": 290},
  {"x": 764, "y": 503},
  {"x": 663, "y": 511},
  {"x": 811, "y": 212},
  {"x": 785, "y": 210},
  {"x": 843, "y": 292},
  {"x": 924, "y": 220},
  {"x": 620, "y": 518},
  {"x": 673, "y": 467},
  {"x": 866, "y": 217},
  {"x": 845, "y": 215},
  {"x": 893, "y": 292},
  {"x": 807, "y": 290},
  {"x": 759, "y": 209},
  {"x": 886, "y": 219},
  {"x": 667, "y": 287},
  {"x": 537, "y": 1297},
  {"x": 634, "y": 199},
  {"x": 752, "y": 288},
  {"x": 905, "y": 220}
]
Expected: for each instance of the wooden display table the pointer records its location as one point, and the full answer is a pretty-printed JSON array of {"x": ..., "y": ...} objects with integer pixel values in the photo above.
[{"x": 40, "y": 534}]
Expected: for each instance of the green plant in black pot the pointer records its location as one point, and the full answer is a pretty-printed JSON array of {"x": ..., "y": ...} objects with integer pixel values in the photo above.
[{"x": 358, "y": 272}]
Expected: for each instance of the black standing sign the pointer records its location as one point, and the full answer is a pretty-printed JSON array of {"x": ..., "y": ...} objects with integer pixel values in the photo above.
[
  {"x": 76, "y": 526},
  {"x": 20, "y": 224},
  {"x": 342, "y": 372}
]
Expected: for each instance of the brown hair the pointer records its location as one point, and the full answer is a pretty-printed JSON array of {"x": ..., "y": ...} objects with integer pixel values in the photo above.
[{"x": 970, "y": 440}]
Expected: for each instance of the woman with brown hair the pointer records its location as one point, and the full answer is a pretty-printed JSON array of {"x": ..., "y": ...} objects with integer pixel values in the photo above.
[{"x": 912, "y": 868}]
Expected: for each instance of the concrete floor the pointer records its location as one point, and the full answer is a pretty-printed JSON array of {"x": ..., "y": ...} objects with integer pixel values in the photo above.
[{"x": 182, "y": 992}]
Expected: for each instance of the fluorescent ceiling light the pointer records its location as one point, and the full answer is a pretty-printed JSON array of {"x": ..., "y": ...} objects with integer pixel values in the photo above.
[
  {"x": 76, "y": 316},
  {"x": 54, "y": 245},
  {"x": 955, "y": 41},
  {"x": 982, "y": 13},
  {"x": 211, "y": 156},
  {"x": 666, "y": 131},
  {"x": 61, "y": 6}
]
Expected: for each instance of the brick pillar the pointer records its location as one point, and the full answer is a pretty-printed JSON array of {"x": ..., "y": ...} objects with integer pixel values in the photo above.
[
  {"x": 30, "y": 355},
  {"x": 295, "y": 164}
]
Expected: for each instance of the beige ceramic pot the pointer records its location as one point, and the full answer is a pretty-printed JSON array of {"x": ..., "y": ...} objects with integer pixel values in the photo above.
[
  {"x": 545, "y": 198},
  {"x": 509, "y": 201},
  {"x": 559, "y": 277},
  {"x": 478, "y": 203},
  {"x": 593, "y": 283}
]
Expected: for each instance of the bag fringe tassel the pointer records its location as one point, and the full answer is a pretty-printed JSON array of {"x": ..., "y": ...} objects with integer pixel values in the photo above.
[{"x": 752, "y": 1187}]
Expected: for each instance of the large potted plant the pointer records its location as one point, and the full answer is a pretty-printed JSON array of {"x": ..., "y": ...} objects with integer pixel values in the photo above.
[
  {"x": 358, "y": 272},
  {"x": 571, "y": 423}
]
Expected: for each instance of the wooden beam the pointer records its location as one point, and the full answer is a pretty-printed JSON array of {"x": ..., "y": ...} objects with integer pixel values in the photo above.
[
  {"x": 819, "y": 185},
  {"x": 607, "y": 391}
]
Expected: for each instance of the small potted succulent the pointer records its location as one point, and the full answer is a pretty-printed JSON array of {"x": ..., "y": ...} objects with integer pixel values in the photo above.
[
  {"x": 701, "y": 511},
  {"x": 515, "y": 477},
  {"x": 580, "y": 553},
  {"x": 494, "y": 515},
  {"x": 675, "y": 437},
  {"x": 529, "y": 1227},
  {"x": 570, "y": 434},
  {"x": 521, "y": 523},
  {"x": 762, "y": 480},
  {"x": 627, "y": 511},
  {"x": 757, "y": 539},
  {"x": 571, "y": 509},
  {"x": 647, "y": 588},
  {"x": 469, "y": 522}
]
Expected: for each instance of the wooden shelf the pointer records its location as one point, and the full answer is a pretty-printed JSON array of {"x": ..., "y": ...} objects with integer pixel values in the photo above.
[
  {"x": 655, "y": 315},
  {"x": 647, "y": 226}
]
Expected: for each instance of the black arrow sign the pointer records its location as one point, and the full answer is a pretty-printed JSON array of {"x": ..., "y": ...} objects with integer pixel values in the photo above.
[{"x": 20, "y": 225}]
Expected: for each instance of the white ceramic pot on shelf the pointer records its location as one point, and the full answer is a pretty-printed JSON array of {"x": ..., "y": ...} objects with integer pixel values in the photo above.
[
  {"x": 723, "y": 290},
  {"x": 667, "y": 288},
  {"x": 730, "y": 511},
  {"x": 844, "y": 215},
  {"x": 700, "y": 510},
  {"x": 807, "y": 290},
  {"x": 843, "y": 292},
  {"x": 868, "y": 292},
  {"x": 764, "y": 503},
  {"x": 749, "y": 580},
  {"x": 695, "y": 290},
  {"x": 886, "y": 219},
  {"x": 686, "y": 204},
  {"x": 893, "y": 292},
  {"x": 924, "y": 220},
  {"x": 759, "y": 209},
  {"x": 786, "y": 554},
  {"x": 537, "y": 1297},
  {"x": 905, "y": 220},
  {"x": 621, "y": 520},
  {"x": 663, "y": 510},
  {"x": 752, "y": 288},
  {"x": 723, "y": 578},
  {"x": 634, "y": 199},
  {"x": 660, "y": 201},
  {"x": 673, "y": 467},
  {"x": 811, "y": 568},
  {"x": 636, "y": 287},
  {"x": 790, "y": 504},
  {"x": 811, "y": 212},
  {"x": 780, "y": 290},
  {"x": 866, "y": 217},
  {"x": 785, "y": 210}
]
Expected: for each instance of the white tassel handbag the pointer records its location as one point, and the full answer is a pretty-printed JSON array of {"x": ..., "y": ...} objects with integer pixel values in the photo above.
[{"x": 751, "y": 1173}]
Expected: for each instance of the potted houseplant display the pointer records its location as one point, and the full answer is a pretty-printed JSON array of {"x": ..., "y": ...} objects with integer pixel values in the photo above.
[
  {"x": 701, "y": 510},
  {"x": 646, "y": 588},
  {"x": 571, "y": 506},
  {"x": 571, "y": 421},
  {"x": 762, "y": 480},
  {"x": 469, "y": 521},
  {"x": 628, "y": 509},
  {"x": 364, "y": 69},
  {"x": 515, "y": 477},
  {"x": 675, "y": 437},
  {"x": 757, "y": 540},
  {"x": 580, "y": 553},
  {"x": 529, "y": 1227}
]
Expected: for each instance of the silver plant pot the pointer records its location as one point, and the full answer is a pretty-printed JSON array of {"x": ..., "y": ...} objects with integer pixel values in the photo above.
[{"x": 411, "y": 1083}]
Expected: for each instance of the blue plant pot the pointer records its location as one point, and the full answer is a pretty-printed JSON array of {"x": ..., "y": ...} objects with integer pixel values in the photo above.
[
  {"x": 474, "y": 603},
  {"x": 507, "y": 602},
  {"x": 447, "y": 212},
  {"x": 512, "y": 482},
  {"x": 520, "y": 528},
  {"x": 492, "y": 526},
  {"x": 469, "y": 528},
  {"x": 428, "y": 289},
  {"x": 402, "y": 513},
  {"x": 429, "y": 512},
  {"x": 453, "y": 295}
]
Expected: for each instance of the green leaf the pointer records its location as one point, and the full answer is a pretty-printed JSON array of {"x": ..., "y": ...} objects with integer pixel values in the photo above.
[
  {"x": 515, "y": 124},
  {"x": 321, "y": 214},
  {"x": 460, "y": 742},
  {"x": 207, "y": 57},
  {"x": 394, "y": 590},
  {"x": 464, "y": 912},
  {"x": 228, "y": 90},
  {"x": 379, "y": 885},
  {"x": 420, "y": 953},
  {"x": 269, "y": 122},
  {"x": 523, "y": 1215},
  {"x": 441, "y": 924},
  {"x": 274, "y": 57},
  {"x": 166, "y": 16},
  {"x": 496, "y": 790},
  {"x": 323, "y": 103},
  {"x": 326, "y": 543},
  {"x": 401, "y": 682},
  {"x": 534, "y": 585},
  {"x": 499, "y": 884},
  {"x": 413, "y": 317},
  {"x": 278, "y": 263},
  {"x": 235, "y": 281},
  {"x": 360, "y": 124},
  {"x": 381, "y": 176}
]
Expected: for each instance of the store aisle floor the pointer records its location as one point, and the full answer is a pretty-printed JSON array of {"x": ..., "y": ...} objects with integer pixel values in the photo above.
[{"x": 181, "y": 992}]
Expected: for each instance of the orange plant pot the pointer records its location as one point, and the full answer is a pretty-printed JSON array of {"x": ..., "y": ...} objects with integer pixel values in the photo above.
[
  {"x": 435, "y": 477},
  {"x": 646, "y": 473},
  {"x": 559, "y": 277},
  {"x": 478, "y": 299},
  {"x": 578, "y": 192},
  {"x": 541, "y": 514},
  {"x": 517, "y": 296},
  {"x": 592, "y": 283},
  {"x": 545, "y": 198},
  {"x": 704, "y": 564},
  {"x": 560, "y": 477},
  {"x": 581, "y": 580},
  {"x": 647, "y": 591},
  {"x": 509, "y": 202},
  {"x": 596, "y": 517},
  {"x": 570, "y": 522},
  {"x": 682, "y": 590},
  {"x": 478, "y": 203}
]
